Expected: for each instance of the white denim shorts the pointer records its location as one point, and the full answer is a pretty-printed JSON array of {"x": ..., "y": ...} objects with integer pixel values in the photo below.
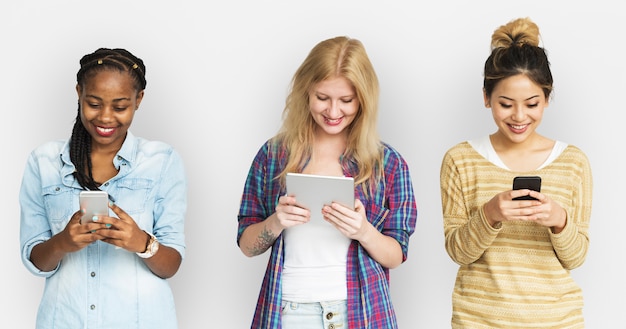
[{"x": 319, "y": 315}]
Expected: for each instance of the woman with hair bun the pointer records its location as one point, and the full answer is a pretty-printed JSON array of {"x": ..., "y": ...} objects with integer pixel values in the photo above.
[
  {"x": 515, "y": 256},
  {"x": 108, "y": 271}
]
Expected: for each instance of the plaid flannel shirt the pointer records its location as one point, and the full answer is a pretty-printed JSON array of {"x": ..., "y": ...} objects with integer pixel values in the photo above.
[{"x": 391, "y": 209}]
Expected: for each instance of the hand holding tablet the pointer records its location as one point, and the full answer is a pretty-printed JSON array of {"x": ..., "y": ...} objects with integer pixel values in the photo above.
[{"x": 315, "y": 191}]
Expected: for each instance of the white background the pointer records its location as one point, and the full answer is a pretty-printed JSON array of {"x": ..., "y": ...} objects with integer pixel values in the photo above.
[{"x": 218, "y": 74}]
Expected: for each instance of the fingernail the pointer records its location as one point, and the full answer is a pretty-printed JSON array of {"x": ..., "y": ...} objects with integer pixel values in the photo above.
[
  {"x": 94, "y": 218},
  {"x": 111, "y": 203},
  {"x": 107, "y": 225},
  {"x": 82, "y": 211}
]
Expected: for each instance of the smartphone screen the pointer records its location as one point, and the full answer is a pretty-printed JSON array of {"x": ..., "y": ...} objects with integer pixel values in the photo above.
[
  {"x": 95, "y": 203},
  {"x": 527, "y": 182}
]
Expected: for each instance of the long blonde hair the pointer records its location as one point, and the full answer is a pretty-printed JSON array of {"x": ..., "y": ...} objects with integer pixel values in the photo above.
[{"x": 344, "y": 57}]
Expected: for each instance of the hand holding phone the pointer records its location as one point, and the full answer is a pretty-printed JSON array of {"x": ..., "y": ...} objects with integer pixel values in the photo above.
[
  {"x": 529, "y": 183},
  {"x": 95, "y": 203}
]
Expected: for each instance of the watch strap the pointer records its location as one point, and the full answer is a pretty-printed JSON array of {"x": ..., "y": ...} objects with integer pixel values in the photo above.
[{"x": 151, "y": 247}]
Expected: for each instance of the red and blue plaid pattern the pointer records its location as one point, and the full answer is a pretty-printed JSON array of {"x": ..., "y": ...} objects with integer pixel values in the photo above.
[{"x": 391, "y": 209}]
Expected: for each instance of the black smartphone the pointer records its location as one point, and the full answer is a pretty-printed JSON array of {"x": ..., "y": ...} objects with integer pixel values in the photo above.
[{"x": 527, "y": 182}]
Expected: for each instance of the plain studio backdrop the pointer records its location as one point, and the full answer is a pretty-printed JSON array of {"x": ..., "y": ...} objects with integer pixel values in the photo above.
[{"x": 218, "y": 74}]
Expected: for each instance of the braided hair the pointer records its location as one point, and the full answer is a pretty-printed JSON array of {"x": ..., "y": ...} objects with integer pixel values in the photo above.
[{"x": 80, "y": 142}]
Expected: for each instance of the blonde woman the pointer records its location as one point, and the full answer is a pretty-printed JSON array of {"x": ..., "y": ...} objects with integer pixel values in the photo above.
[{"x": 337, "y": 275}]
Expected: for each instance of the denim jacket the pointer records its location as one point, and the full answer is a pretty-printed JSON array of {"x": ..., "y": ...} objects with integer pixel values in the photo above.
[{"x": 102, "y": 286}]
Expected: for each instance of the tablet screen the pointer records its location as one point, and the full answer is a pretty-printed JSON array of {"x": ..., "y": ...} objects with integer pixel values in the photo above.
[{"x": 315, "y": 191}]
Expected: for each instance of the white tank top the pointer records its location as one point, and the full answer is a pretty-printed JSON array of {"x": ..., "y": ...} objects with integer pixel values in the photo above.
[
  {"x": 485, "y": 148},
  {"x": 315, "y": 262}
]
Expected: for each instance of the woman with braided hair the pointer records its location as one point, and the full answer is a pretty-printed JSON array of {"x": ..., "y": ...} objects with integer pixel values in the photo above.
[
  {"x": 515, "y": 256},
  {"x": 109, "y": 272}
]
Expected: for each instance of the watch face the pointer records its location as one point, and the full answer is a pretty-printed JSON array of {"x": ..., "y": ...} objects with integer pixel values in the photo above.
[{"x": 153, "y": 247}]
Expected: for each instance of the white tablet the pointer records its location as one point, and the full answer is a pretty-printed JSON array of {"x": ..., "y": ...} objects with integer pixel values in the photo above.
[{"x": 315, "y": 191}]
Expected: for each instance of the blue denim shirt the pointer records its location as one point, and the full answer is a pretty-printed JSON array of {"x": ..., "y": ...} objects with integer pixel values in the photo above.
[{"x": 102, "y": 286}]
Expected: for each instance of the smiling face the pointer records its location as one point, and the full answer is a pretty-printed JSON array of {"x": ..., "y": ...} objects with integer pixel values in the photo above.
[
  {"x": 108, "y": 101},
  {"x": 517, "y": 105},
  {"x": 333, "y": 104}
]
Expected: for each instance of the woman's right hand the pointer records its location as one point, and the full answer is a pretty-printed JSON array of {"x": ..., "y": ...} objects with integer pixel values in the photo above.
[
  {"x": 502, "y": 207},
  {"x": 77, "y": 236},
  {"x": 74, "y": 237},
  {"x": 289, "y": 213},
  {"x": 258, "y": 237}
]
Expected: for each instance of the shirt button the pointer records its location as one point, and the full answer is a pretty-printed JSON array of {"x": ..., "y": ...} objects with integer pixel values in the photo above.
[
  {"x": 331, "y": 326},
  {"x": 106, "y": 184},
  {"x": 93, "y": 274},
  {"x": 93, "y": 307},
  {"x": 329, "y": 315}
]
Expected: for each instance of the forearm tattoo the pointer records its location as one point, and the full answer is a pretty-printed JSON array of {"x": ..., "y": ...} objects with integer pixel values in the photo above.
[{"x": 265, "y": 239}]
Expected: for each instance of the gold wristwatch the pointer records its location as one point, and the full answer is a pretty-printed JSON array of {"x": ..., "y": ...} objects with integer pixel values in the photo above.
[{"x": 151, "y": 248}]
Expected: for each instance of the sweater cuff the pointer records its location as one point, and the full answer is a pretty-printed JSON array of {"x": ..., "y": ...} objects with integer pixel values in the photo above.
[
  {"x": 566, "y": 237},
  {"x": 486, "y": 224}
]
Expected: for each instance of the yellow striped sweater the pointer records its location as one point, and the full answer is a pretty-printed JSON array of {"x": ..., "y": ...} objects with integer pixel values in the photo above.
[{"x": 516, "y": 275}]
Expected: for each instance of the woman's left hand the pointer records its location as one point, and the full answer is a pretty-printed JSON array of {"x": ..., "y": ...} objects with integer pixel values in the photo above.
[
  {"x": 354, "y": 225},
  {"x": 123, "y": 232},
  {"x": 548, "y": 213},
  {"x": 351, "y": 223}
]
